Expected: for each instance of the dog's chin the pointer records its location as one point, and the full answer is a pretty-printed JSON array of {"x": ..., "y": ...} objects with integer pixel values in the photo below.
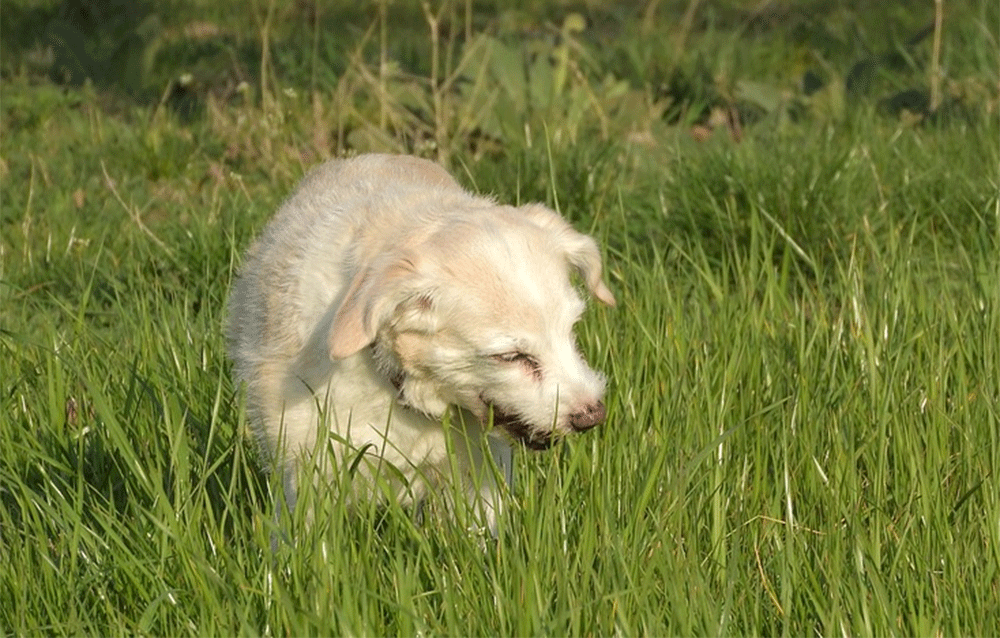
[{"x": 518, "y": 429}]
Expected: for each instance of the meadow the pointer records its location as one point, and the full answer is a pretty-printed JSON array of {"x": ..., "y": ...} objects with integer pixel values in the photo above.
[{"x": 799, "y": 207}]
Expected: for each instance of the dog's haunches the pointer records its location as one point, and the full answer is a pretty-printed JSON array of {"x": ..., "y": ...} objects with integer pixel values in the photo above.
[{"x": 382, "y": 295}]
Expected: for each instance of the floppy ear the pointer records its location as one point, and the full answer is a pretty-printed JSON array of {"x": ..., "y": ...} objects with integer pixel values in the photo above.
[
  {"x": 372, "y": 295},
  {"x": 585, "y": 257},
  {"x": 581, "y": 250}
]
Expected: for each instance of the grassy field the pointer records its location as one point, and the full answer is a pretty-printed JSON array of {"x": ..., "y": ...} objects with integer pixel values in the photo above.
[{"x": 804, "y": 365}]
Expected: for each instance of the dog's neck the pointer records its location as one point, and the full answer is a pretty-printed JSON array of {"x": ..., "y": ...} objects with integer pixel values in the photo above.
[
  {"x": 390, "y": 370},
  {"x": 413, "y": 391}
]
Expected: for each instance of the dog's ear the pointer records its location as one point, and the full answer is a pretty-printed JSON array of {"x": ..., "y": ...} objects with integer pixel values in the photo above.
[
  {"x": 585, "y": 257},
  {"x": 581, "y": 250},
  {"x": 371, "y": 297}
]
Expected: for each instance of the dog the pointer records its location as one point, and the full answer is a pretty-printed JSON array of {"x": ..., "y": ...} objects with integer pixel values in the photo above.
[{"x": 383, "y": 300}]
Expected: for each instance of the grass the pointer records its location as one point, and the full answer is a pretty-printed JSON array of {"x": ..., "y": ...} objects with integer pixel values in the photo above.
[{"x": 803, "y": 434}]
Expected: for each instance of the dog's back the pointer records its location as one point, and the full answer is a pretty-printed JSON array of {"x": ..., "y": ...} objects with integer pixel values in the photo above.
[
  {"x": 296, "y": 268},
  {"x": 341, "y": 216}
]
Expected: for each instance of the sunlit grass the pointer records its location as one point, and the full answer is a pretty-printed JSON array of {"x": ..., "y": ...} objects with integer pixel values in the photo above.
[{"x": 803, "y": 431}]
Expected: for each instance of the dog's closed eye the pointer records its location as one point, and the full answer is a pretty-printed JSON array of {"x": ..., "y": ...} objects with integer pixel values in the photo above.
[{"x": 524, "y": 359}]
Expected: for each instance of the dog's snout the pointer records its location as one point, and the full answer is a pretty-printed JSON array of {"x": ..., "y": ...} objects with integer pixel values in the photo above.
[{"x": 592, "y": 414}]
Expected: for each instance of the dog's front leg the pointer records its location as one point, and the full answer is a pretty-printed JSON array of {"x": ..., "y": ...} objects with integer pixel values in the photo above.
[{"x": 497, "y": 483}]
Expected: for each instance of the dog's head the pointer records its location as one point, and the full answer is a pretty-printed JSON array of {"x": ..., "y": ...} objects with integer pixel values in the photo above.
[{"x": 480, "y": 314}]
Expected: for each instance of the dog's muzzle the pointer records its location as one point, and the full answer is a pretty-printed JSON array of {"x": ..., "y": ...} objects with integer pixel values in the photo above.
[
  {"x": 520, "y": 430},
  {"x": 591, "y": 415}
]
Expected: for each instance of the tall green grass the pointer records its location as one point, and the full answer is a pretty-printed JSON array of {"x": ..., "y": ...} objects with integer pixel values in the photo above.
[{"x": 803, "y": 432}]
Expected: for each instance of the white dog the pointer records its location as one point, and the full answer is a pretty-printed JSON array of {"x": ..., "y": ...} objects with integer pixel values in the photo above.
[{"x": 382, "y": 297}]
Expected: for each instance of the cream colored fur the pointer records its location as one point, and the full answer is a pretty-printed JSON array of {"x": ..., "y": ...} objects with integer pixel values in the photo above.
[{"x": 382, "y": 296}]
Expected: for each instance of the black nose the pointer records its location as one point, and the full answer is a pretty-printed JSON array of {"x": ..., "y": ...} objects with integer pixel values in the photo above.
[{"x": 591, "y": 415}]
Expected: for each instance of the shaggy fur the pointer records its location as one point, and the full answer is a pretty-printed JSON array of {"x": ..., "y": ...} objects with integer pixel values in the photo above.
[{"x": 382, "y": 295}]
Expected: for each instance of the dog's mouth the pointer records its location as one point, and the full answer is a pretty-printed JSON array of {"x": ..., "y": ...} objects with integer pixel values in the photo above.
[{"x": 518, "y": 429}]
